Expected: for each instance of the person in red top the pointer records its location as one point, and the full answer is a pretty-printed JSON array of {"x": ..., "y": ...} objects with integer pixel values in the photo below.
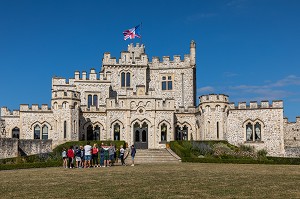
[
  {"x": 70, "y": 155},
  {"x": 95, "y": 151}
]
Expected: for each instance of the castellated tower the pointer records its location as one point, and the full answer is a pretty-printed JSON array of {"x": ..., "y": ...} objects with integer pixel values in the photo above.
[
  {"x": 213, "y": 118},
  {"x": 65, "y": 107}
]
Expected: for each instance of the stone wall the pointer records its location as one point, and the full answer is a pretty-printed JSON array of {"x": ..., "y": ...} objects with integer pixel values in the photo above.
[
  {"x": 31, "y": 147},
  {"x": 8, "y": 147}
]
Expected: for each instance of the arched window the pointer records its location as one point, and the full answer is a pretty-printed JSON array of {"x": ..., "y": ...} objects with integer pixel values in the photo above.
[
  {"x": 122, "y": 79},
  {"x": 55, "y": 106},
  {"x": 249, "y": 132},
  {"x": 257, "y": 132},
  {"x": 95, "y": 100},
  {"x": 207, "y": 109},
  {"x": 125, "y": 79},
  {"x": 117, "y": 132},
  {"x": 185, "y": 133},
  {"x": 128, "y": 79},
  {"x": 37, "y": 132},
  {"x": 16, "y": 133},
  {"x": 65, "y": 129},
  {"x": 97, "y": 133},
  {"x": 65, "y": 105},
  {"x": 163, "y": 132},
  {"x": 90, "y": 102},
  {"x": 45, "y": 132}
]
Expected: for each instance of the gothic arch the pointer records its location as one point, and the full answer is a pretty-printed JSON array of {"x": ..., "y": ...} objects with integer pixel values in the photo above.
[
  {"x": 117, "y": 121},
  {"x": 140, "y": 122},
  {"x": 164, "y": 121},
  {"x": 41, "y": 124}
]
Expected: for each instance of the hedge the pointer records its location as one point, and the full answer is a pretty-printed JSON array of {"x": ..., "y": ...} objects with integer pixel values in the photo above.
[{"x": 30, "y": 165}]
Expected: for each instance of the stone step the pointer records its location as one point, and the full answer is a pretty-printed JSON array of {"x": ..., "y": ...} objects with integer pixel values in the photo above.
[{"x": 155, "y": 156}]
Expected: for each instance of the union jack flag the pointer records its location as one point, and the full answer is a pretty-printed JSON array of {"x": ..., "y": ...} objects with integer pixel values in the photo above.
[{"x": 132, "y": 33}]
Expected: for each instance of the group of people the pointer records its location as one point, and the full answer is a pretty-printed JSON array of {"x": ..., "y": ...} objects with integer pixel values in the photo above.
[{"x": 88, "y": 156}]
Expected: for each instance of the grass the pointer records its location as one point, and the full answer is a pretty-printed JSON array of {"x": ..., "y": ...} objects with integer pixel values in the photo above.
[{"x": 185, "y": 180}]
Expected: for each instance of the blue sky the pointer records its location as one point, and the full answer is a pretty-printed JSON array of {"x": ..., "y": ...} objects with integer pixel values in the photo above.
[{"x": 249, "y": 50}]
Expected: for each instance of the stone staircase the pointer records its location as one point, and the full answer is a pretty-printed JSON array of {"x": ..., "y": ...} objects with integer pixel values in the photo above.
[{"x": 146, "y": 156}]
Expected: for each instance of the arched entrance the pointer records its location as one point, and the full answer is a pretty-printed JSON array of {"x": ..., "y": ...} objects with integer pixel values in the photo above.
[
  {"x": 140, "y": 135},
  {"x": 181, "y": 133},
  {"x": 93, "y": 133}
]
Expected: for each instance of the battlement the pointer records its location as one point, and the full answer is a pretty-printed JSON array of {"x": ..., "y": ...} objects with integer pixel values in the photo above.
[
  {"x": 214, "y": 98},
  {"x": 63, "y": 94},
  {"x": 6, "y": 112},
  {"x": 134, "y": 56},
  {"x": 255, "y": 105},
  {"x": 176, "y": 62},
  {"x": 286, "y": 120},
  {"x": 35, "y": 107}
]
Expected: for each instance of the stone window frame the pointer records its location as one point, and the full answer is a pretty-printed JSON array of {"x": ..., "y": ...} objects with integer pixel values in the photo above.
[
  {"x": 127, "y": 76},
  {"x": 42, "y": 133},
  {"x": 15, "y": 129},
  {"x": 167, "y": 81},
  {"x": 92, "y": 99},
  {"x": 253, "y": 124}
]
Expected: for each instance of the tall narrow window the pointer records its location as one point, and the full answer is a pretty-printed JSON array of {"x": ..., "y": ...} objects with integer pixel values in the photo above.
[
  {"x": 122, "y": 79},
  {"x": 65, "y": 129},
  {"x": 95, "y": 100},
  {"x": 37, "y": 132},
  {"x": 185, "y": 133},
  {"x": 249, "y": 132},
  {"x": 257, "y": 132},
  {"x": 45, "y": 132},
  {"x": 97, "y": 133},
  {"x": 89, "y": 101},
  {"x": 163, "y": 132},
  {"x": 128, "y": 79},
  {"x": 217, "y": 130},
  {"x": 117, "y": 132}
]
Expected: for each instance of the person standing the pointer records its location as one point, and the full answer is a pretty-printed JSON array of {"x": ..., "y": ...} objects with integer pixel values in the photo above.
[
  {"x": 111, "y": 152},
  {"x": 78, "y": 157},
  {"x": 70, "y": 155},
  {"x": 87, "y": 155},
  {"x": 122, "y": 151},
  {"x": 102, "y": 155},
  {"x": 133, "y": 152},
  {"x": 95, "y": 154},
  {"x": 65, "y": 158}
]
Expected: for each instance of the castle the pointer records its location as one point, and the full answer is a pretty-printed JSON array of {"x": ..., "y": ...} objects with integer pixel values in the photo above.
[{"x": 149, "y": 104}]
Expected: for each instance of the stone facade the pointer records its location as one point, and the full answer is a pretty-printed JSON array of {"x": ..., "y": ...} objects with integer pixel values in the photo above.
[{"x": 148, "y": 103}]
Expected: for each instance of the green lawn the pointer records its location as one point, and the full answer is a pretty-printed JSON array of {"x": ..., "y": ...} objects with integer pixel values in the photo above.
[{"x": 185, "y": 180}]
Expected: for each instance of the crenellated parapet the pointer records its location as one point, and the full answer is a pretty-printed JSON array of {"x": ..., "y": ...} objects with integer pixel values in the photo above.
[
  {"x": 34, "y": 107},
  {"x": 166, "y": 62},
  {"x": 6, "y": 112},
  {"x": 134, "y": 56},
  {"x": 255, "y": 105},
  {"x": 214, "y": 98}
]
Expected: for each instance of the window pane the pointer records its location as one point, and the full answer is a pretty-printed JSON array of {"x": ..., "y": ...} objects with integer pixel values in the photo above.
[
  {"x": 117, "y": 132},
  {"x": 128, "y": 79},
  {"x": 144, "y": 136},
  {"x": 163, "y": 77},
  {"x": 45, "y": 133},
  {"x": 123, "y": 79},
  {"x": 65, "y": 129},
  {"x": 164, "y": 86},
  {"x": 95, "y": 100},
  {"x": 89, "y": 101},
  {"x": 257, "y": 132},
  {"x": 169, "y": 77},
  {"x": 37, "y": 132},
  {"x": 16, "y": 133},
  {"x": 137, "y": 136},
  {"x": 170, "y": 85},
  {"x": 249, "y": 136}
]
